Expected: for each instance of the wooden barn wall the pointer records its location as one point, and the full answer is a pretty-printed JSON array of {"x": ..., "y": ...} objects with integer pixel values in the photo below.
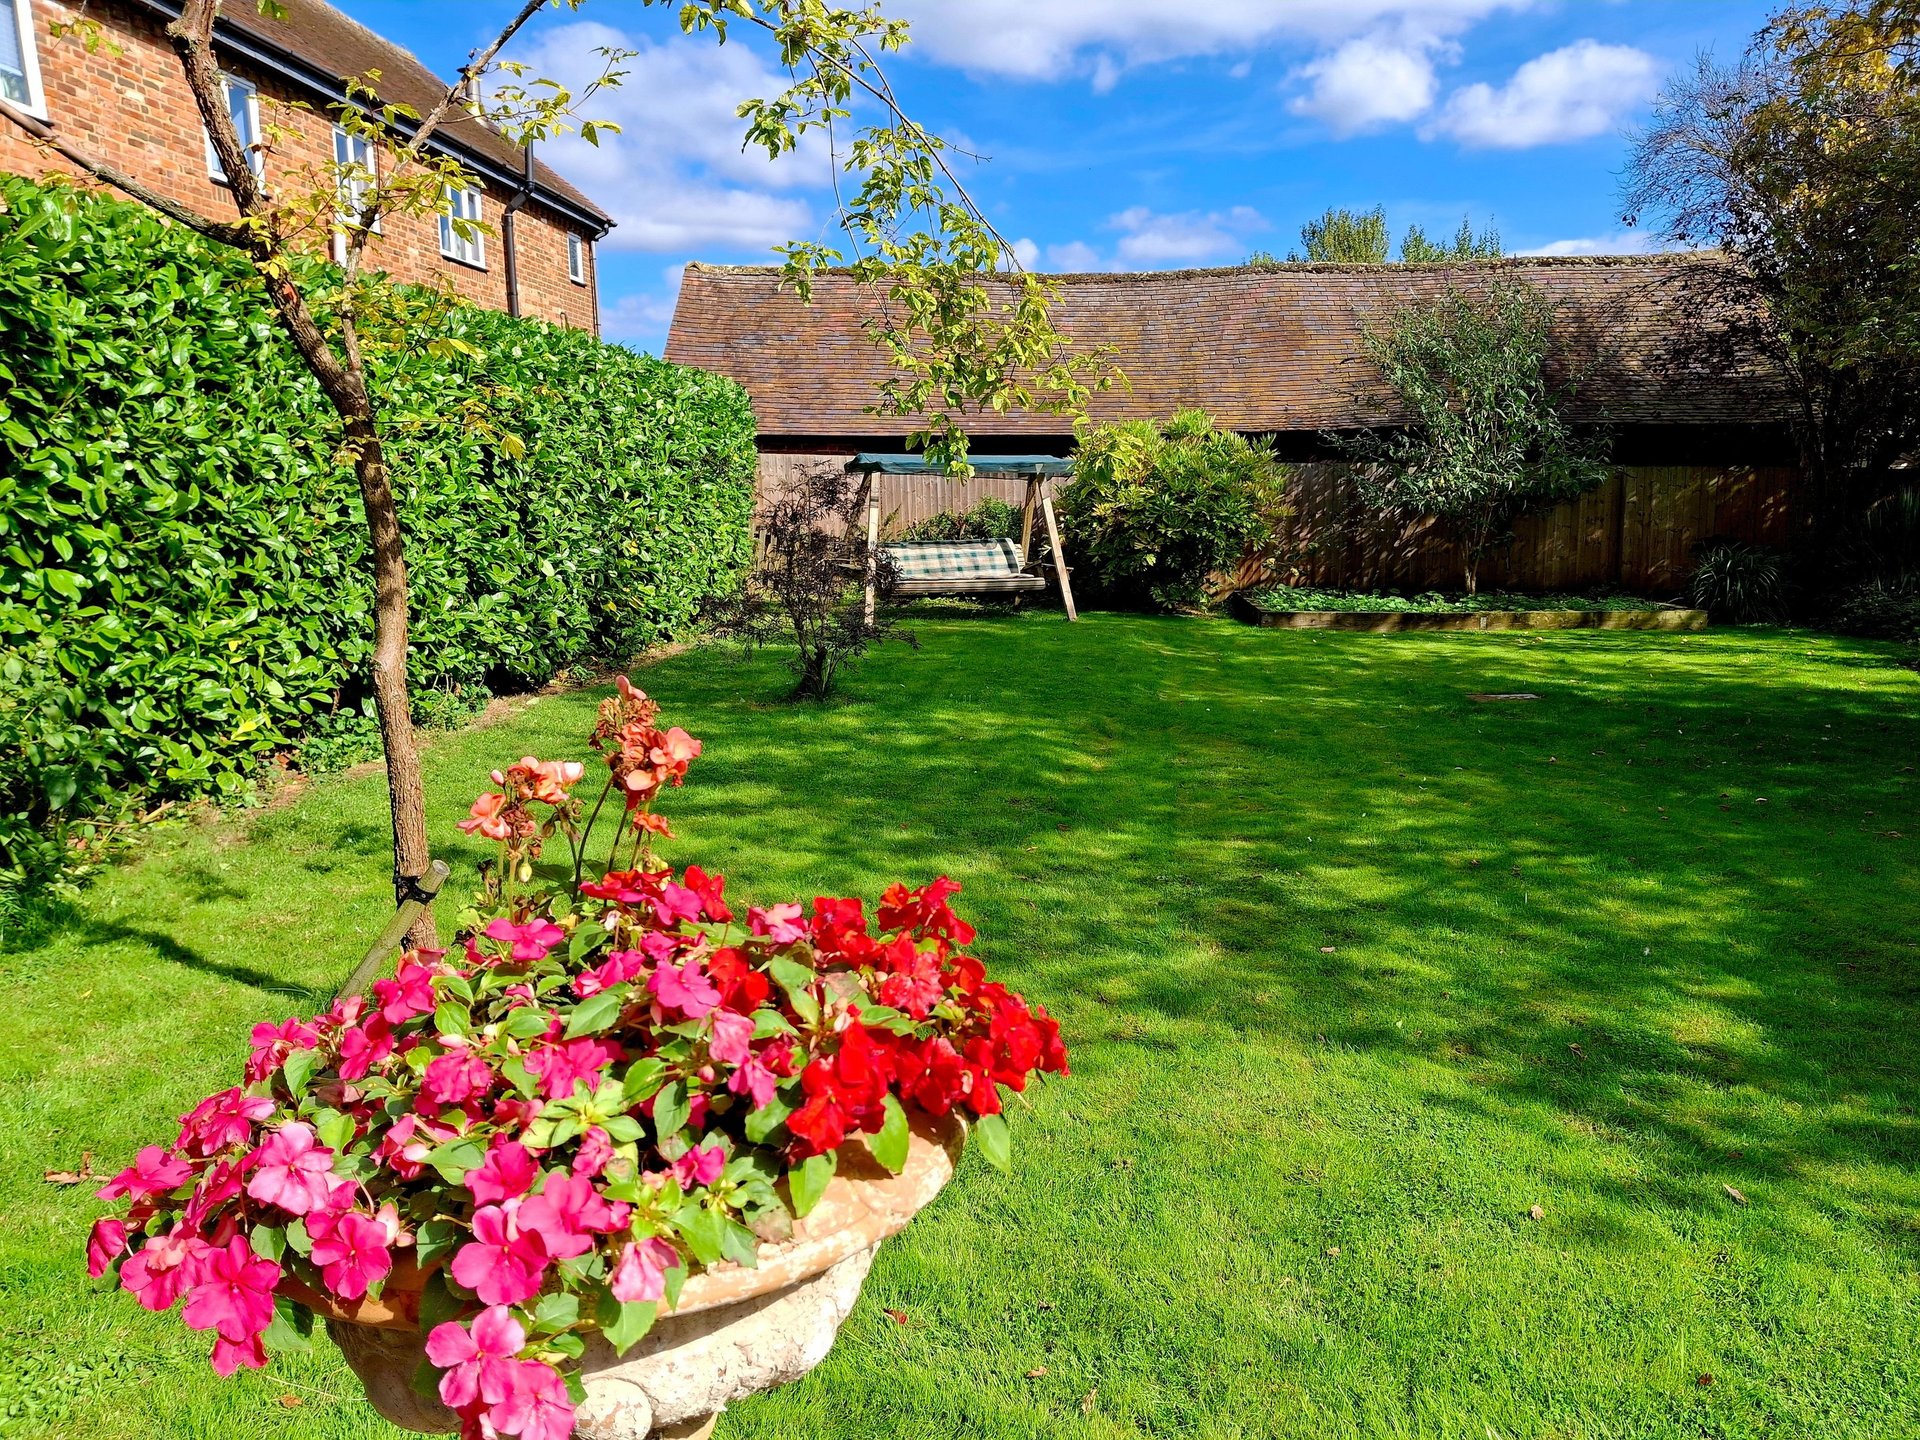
[{"x": 1637, "y": 531}]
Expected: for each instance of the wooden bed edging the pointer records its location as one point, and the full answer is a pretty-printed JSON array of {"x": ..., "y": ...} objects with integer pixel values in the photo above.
[{"x": 1384, "y": 621}]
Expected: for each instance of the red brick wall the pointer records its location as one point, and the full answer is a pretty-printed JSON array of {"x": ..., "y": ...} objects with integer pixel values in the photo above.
[{"x": 134, "y": 111}]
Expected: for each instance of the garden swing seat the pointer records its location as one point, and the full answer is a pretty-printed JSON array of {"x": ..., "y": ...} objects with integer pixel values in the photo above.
[{"x": 1000, "y": 566}]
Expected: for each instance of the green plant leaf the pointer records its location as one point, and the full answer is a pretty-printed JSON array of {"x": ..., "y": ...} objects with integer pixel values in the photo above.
[
  {"x": 996, "y": 1143},
  {"x": 670, "y": 1109},
  {"x": 625, "y": 1323},
  {"x": 596, "y": 1013},
  {"x": 808, "y": 1180},
  {"x": 890, "y": 1144}
]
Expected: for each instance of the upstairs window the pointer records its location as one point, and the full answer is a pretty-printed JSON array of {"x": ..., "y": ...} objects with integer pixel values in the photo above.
[
  {"x": 243, "y": 104},
  {"x": 576, "y": 259},
  {"x": 19, "y": 66},
  {"x": 359, "y": 170},
  {"x": 468, "y": 248}
]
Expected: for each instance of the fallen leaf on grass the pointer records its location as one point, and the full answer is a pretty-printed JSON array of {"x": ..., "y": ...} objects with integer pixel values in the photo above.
[
  {"x": 1043, "y": 1304},
  {"x": 72, "y": 1177},
  {"x": 1578, "y": 1053},
  {"x": 1704, "y": 1381},
  {"x": 1326, "y": 949},
  {"x": 1086, "y": 1400},
  {"x": 1036, "y": 1372},
  {"x": 1734, "y": 1195},
  {"x": 1333, "y": 1250},
  {"x": 1536, "y": 1213},
  {"x": 291, "y": 1402},
  {"x": 899, "y": 1317}
]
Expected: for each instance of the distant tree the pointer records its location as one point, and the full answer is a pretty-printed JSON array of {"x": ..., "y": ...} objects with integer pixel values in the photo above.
[
  {"x": 1481, "y": 435},
  {"x": 1346, "y": 237},
  {"x": 1417, "y": 249},
  {"x": 1802, "y": 164}
]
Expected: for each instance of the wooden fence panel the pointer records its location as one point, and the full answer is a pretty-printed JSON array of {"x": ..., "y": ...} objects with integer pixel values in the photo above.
[{"x": 1635, "y": 532}]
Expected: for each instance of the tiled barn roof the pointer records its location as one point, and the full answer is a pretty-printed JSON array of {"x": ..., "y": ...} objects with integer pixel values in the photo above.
[{"x": 1269, "y": 348}]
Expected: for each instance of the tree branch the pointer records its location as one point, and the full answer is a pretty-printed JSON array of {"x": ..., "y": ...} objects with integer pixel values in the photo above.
[
  {"x": 475, "y": 67},
  {"x": 239, "y": 237}
]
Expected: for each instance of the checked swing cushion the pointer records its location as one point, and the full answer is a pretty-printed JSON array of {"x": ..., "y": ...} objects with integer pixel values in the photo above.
[{"x": 929, "y": 566}]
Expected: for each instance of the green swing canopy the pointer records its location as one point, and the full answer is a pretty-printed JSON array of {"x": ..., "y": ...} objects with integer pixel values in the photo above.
[{"x": 1025, "y": 466}]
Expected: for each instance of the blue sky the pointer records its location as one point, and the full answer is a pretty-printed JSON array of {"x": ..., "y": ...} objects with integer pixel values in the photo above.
[{"x": 1129, "y": 134}]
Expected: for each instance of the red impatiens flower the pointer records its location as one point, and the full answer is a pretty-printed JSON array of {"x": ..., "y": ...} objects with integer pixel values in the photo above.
[
  {"x": 351, "y": 1251},
  {"x": 231, "y": 1291},
  {"x": 478, "y": 1361},
  {"x": 220, "y": 1121},
  {"x": 153, "y": 1172},
  {"x": 504, "y": 1263},
  {"x": 292, "y": 1170},
  {"x": 710, "y": 889}
]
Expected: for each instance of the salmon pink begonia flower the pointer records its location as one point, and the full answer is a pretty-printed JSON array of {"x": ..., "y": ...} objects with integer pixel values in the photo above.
[
  {"x": 479, "y": 1362},
  {"x": 486, "y": 818}
]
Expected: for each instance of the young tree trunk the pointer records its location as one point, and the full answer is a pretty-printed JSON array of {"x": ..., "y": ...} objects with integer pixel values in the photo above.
[{"x": 406, "y": 796}]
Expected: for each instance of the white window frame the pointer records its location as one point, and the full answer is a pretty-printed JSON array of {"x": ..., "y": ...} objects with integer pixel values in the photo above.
[
  {"x": 350, "y": 149},
  {"x": 463, "y": 203},
  {"x": 576, "y": 257},
  {"x": 256, "y": 161},
  {"x": 20, "y": 15}
]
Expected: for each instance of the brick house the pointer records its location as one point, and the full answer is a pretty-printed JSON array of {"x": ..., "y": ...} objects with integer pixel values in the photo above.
[{"x": 133, "y": 109}]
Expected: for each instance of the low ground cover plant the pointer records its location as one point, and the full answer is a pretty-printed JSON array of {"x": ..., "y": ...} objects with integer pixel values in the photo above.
[
  {"x": 1155, "y": 509},
  {"x": 1433, "y": 602},
  {"x": 1736, "y": 581},
  {"x": 613, "y": 1081}
]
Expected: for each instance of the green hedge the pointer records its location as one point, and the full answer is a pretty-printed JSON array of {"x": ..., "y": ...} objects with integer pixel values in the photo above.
[{"x": 183, "y": 577}]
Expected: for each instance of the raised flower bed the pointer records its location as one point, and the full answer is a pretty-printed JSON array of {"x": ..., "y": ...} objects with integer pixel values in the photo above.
[
  {"x": 621, "y": 1158},
  {"x": 1298, "y": 608}
]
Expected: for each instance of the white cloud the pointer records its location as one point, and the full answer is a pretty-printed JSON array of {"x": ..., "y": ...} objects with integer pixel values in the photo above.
[
  {"x": 1099, "y": 39},
  {"x": 1583, "y": 89},
  {"x": 1372, "y": 81},
  {"x": 1620, "y": 242},
  {"x": 1150, "y": 240},
  {"x": 1026, "y": 252},
  {"x": 676, "y": 178}
]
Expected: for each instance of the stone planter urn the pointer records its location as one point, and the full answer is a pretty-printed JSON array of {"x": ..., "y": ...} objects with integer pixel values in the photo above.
[{"x": 735, "y": 1331}]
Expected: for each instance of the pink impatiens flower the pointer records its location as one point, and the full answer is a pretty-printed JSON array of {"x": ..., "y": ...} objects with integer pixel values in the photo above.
[
  {"x": 221, "y": 1120},
  {"x": 642, "y": 1271},
  {"x": 156, "y": 1274},
  {"x": 407, "y": 994},
  {"x": 153, "y": 1172},
  {"x": 595, "y": 1152},
  {"x": 273, "y": 1043},
  {"x": 731, "y": 1032},
  {"x": 504, "y": 1263},
  {"x": 232, "y": 1291},
  {"x": 455, "y": 1078},
  {"x": 752, "y": 1078},
  {"x": 364, "y": 1046},
  {"x": 618, "y": 968},
  {"x": 568, "y": 1212},
  {"x": 104, "y": 1244},
  {"x": 573, "y": 1062},
  {"x": 782, "y": 924},
  {"x": 479, "y": 1363},
  {"x": 685, "y": 988},
  {"x": 530, "y": 941},
  {"x": 539, "y": 1407},
  {"x": 229, "y": 1355},
  {"x": 292, "y": 1171},
  {"x": 506, "y": 1174},
  {"x": 352, "y": 1254},
  {"x": 699, "y": 1166}
]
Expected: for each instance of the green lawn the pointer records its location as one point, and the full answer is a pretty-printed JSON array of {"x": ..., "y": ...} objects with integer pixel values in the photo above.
[{"x": 1356, "y": 971}]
